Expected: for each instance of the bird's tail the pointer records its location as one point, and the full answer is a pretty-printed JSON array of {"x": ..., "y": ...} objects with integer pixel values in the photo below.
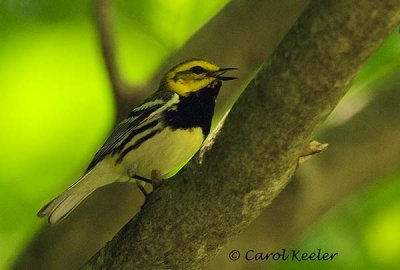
[{"x": 61, "y": 206}]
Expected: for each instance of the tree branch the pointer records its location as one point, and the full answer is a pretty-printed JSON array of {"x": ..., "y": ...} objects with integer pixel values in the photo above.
[
  {"x": 111, "y": 207},
  {"x": 356, "y": 149},
  {"x": 306, "y": 77},
  {"x": 124, "y": 95},
  {"x": 102, "y": 15}
]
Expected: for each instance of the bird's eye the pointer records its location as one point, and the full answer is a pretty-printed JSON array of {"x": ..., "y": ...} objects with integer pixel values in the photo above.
[{"x": 197, "y": 70}]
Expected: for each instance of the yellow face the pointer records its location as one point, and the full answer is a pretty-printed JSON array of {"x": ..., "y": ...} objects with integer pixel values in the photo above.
[{"x": 192, "y": 75}]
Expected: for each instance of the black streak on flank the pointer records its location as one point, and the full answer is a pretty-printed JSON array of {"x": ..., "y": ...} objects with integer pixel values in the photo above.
[
  {"x": 136, "y": 145},
  {"x": 132, "y": 134},
  {"x": 123, "y": 129},
  {"x": 195, "y": 110}
]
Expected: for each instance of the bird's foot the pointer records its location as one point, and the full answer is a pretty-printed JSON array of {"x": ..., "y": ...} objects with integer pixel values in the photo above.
[
  {"x": 140, "y": 178},
  {"x": 156, "y": 179},
  {"x": 142, "y": 189}
]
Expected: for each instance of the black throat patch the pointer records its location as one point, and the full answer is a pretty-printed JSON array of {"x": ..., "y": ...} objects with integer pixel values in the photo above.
[{"x": 195, "y": 110}]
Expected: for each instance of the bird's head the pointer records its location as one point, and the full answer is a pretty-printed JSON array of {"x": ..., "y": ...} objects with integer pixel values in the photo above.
[{"x": 194, "y": 75}]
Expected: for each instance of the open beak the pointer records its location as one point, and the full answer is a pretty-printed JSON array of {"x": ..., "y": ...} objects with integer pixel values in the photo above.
[{"x": 218, "y": 74}]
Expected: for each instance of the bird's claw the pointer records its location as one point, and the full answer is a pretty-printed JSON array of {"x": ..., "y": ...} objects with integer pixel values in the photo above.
[{"x": 156, "y": 179}]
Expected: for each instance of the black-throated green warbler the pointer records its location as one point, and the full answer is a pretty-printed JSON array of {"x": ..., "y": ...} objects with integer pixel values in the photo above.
[{"x": 156, "y": 138}]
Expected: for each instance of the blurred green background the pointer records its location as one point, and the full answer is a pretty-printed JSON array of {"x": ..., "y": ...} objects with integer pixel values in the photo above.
[
  {"x": 56, "y": 108},
  {"x": 364, "y": 230}
]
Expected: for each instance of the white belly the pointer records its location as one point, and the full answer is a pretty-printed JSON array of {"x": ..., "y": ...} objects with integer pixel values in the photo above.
[{"x": 163, "y": 152}]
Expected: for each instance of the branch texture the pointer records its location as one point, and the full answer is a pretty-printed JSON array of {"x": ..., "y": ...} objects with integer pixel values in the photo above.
[
  {"x": 354, "y": 161},
  {"x": 255, "y": 29},
  {"x": 188, "y": 220}
]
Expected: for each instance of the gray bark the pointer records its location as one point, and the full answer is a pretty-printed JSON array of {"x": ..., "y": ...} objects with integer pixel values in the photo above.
[
  {"x": 362, "y": 151},
  {"x": 243, "y": 34},
  {"x": 187, "y": 220}
]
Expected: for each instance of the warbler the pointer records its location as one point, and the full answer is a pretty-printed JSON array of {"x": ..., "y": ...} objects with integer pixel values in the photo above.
[{"x": 156, "y": 138}]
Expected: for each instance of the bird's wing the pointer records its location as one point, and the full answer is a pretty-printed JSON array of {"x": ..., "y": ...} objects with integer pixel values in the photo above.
[{"x": 141, "y": 115}]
